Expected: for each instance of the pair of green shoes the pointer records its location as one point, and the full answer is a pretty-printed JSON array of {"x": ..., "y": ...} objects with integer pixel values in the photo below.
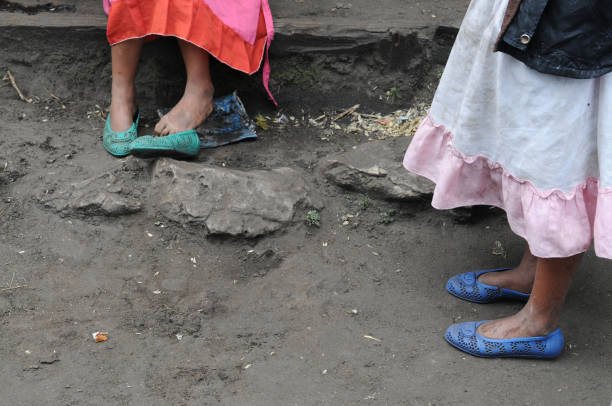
[{"x": 120, "y": 144}]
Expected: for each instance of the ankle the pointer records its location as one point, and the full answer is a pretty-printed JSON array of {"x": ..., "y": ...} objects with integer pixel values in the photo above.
[
  {"x": 123, "y": 93},
  {"x": 514, "y": 279},
  {"x": 538, "y": 322},
  {"x": 526, "y": 275},
  {"x": 526, "y": 272},
  {"x": 199, "y": 88},
  {"x": 124, "y": 104}
]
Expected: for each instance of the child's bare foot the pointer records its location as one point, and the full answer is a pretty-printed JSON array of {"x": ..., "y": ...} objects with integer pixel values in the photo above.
[
  {"x": 122, "y": 114},
  {"x": 517, "y": 326},
  {"x": 123, "y": 100},
  {"x": 194, "y": 107},
  {"x": 123, "y": 104},
  {"x": 519, "y": 279},
  {"x": 540, "y": 315}
]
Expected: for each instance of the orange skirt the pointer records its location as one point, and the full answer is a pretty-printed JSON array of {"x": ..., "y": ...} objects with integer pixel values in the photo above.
[{"x": 190, "y": 20}]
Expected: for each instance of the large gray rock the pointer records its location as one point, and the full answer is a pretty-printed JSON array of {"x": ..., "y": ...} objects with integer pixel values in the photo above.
[
  {"x": 117, "y": 192},
  {"x": 226, "y": 201},
  {"x": 376, "y": 168}
]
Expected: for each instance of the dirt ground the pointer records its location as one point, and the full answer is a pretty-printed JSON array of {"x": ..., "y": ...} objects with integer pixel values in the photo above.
[
  {"x": 343, "y": 314},
  {"x": 392, "y": 13}
]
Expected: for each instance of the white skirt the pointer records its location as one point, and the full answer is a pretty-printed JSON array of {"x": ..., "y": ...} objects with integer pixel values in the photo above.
[{"x": 536, "y": 145}]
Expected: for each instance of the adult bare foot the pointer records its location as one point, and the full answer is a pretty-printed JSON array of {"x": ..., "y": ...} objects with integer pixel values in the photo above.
[
  {"x": 519, "y": 279},
  {"x": 190, "y": 112}
]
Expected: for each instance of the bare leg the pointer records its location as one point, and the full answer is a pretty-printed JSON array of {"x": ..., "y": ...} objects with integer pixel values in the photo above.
[
  {"x": 196, "y": 104},
  {"x": 519, "y": 278},
  {"x": 125, "y": 56},
  {"x": 540, "y": 315}
]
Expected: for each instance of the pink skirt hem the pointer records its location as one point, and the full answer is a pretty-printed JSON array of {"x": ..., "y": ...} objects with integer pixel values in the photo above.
[{"x": 556, "y": 224}]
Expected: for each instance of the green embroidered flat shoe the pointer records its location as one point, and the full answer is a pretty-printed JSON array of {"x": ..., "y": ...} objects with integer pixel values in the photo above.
[
  {"x": 118, "y": 144},
  {"x": 186, "y": 143}
]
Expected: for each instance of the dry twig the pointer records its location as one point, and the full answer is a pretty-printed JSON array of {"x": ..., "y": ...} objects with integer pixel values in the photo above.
[
  {"x": 346, "y": 112},
  {"x": 14, "y": 84},
  {"x": 13, "y": 288},
  {"x": 52, "y": 95}
]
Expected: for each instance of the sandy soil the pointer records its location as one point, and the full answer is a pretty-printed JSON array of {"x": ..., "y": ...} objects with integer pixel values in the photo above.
[{"x": 337, "y": 315}]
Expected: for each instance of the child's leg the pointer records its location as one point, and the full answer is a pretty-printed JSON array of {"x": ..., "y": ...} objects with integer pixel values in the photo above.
[
  {"x": 519, "y": 278},
  {"x": 540, "y": 315},
  {"x": 196, "y": 104},
  {"x": 125, "y": 56}
]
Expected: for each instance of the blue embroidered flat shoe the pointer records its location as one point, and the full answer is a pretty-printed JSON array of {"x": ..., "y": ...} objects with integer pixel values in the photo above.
[
  {"x": 466, "y": 338},
  {"x": 466, "y": 286},
  {"x": 118, "y": 144},
  {"x": 186, "y": 143}
]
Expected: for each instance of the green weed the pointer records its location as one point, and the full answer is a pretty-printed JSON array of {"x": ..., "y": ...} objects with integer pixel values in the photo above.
[
  {"x": 386, "y": 217},
  {"x": 313, "y": 218}
]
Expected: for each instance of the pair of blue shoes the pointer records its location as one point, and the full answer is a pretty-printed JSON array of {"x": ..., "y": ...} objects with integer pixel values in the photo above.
[
  {"x": 465, "y": 336},
  {"x": 121, "y": 144}
]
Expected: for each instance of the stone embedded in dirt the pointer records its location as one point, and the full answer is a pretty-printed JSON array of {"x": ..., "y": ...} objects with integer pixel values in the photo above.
[
  {"x": 376, "y": 168},
  {"x": 117, "y": 192},
  {"x": 228, "y": 201},
  {"x": 258, "y": 263},
  {"x": 5, "y": 305},
  {"x": 11, "y": 171}
]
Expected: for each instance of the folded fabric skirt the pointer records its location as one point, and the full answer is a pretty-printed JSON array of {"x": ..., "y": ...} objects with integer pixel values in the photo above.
[{"x": 538, "y": 146}]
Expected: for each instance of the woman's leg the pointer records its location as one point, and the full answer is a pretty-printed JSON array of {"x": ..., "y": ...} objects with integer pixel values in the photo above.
[
  {"x": 125, "y": 56},
  {"x": 519, "y": 278},
  {"x": 196, "y": 104},
  {"x": 540, "y": 316}
]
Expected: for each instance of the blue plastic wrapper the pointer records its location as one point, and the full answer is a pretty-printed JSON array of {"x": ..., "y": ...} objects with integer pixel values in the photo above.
[{"x": 227, "y": 124}]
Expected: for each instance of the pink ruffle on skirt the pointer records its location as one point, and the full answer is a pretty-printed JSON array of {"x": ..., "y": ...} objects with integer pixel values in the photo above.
[{"x": 555, "y": 224}]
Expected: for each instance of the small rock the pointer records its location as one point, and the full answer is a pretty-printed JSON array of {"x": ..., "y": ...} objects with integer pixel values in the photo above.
[
  {"x": 49, "y": 359},
  {"x": 376, "y": 168},
  {"x": 5, "y": 305}
]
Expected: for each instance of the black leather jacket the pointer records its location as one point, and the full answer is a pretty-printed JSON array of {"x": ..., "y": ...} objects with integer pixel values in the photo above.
[{"x": 570, "y": 38}]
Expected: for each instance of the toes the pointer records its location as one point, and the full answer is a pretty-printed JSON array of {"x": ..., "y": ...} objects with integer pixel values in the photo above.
[
  {"x": 161, "y": 127},
  {"x": 485, "y": 329},
  {"x": 170, "y": 129}
]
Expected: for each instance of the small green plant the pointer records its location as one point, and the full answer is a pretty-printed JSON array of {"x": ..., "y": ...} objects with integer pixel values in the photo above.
[
  {"x": 366, "y": 204},
  {"x": 392, "y": 94},
  {"x": 386, "y": 217},
  {"x": 313, "y": 218}
]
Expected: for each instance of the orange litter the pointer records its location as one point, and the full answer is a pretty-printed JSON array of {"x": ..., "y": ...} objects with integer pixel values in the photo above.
[{"x": 99, "y": 336}]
